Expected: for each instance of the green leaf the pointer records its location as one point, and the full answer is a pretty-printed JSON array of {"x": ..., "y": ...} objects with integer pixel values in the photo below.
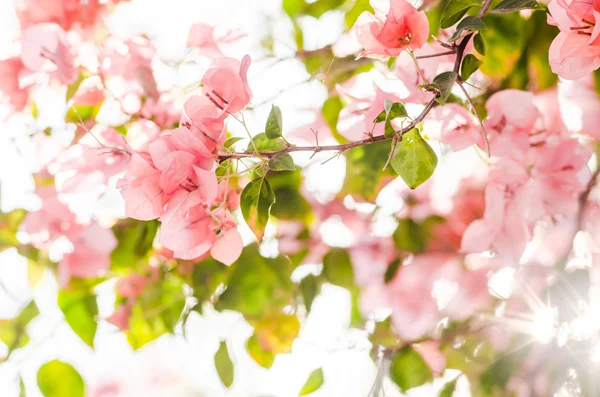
[
  {"x": 224, "y": 365},
  {"x": 363, "y": 170},
  {"x": 80, "y": 309},
  {"x": 448, "y": 389},
  {"x": 282, "y": 162},
  {"x": 207, "y": 276},
  {"x": 12, "y": 332},
  {"x": 276, "y": 332},
  {"x": 256, "y": 201},
  {"x": 391, "y": 111},
  {"x": 231, "y": 141},
  {"x": 337, "y": 268},
  {"x": 442, "y": 84},
  {"x": 414, "y": 160},
  {"x": 331, "y": 113},
  {"x": 469, "y": 24},
  {"x": 384, "y": 335},
  {"x": 408, "y": 369},
  {"x": 313, "y": 383},
  {"x": 135, "y": 240},
  {"x": 274, "y": 126},
  {"x": 358, "y": 8},
  {"x": 9, "y": 225},
  {"x": 309, "y": 288},
  {"x": 261, "y": 356},
  {"x": 391, "y": 270},
  {"x": 505, "y": 34},
  {"x": 291, "y": 205},
  {"x": 506, "y": 6},
  {"x": 479, "y": 44},
  {"x": 22, "y": 391},
  {"x": 156, "y": 311},
  {"x": 455, "y": 10},
  {"x": 264, "y": 144},
  {"x": 469, "y": 65},
  {"x": 58, "y": 379},
  {"x": 414, "y": 236},
  {"x": 72, "y": 88},
  {"x": 257, "y": 285},
  {"x": 597, "y": 81}
]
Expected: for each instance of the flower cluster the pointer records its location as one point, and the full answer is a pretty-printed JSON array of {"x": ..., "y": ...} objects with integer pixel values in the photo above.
[{"x": 175, "y": 179}]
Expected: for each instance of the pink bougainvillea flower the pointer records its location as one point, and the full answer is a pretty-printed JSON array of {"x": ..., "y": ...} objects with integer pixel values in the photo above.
[
  {"x": 90, "y": 256},
  {"x": 207, "y": 39},
  {"x": 187, "y": 226},
  {"x": 205, "y": 120},
  {"x": 579, "y": 104},
  {"x": 144, "y": 199},
  {"x": 226, "y": 84},
  {"x": 228, "y": 246},
  {"x": 576, "y": 50},
  {"x": 131, "y": 286},
  {"x": 356, "y": 119},
  {"x": 45, "y": 48},
  {"x": 454, "y": 125},
  {"x": 120, "y": 319},
  {"x": 390, "y": 31},
  {"x": 52, "y": 220},
  {"x": 11, "y": 91},
  {"x": 66, "y": 13}
]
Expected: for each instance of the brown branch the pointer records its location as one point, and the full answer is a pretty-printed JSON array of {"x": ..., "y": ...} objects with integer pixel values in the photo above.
[
  {"x": 460, "y": 49},
  {"x": 338, "y": 148},
  {"x": 439, "y": 54}
]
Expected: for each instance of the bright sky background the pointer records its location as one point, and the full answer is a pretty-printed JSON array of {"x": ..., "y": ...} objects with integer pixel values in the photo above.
[{"x": 177, "y": 366}]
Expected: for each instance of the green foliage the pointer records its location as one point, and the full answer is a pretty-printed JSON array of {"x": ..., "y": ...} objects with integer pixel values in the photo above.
[
  {"x": 468, "y": 24},
  {"x": 309, "y": 289},
  {"x": 408, "y": 369},
  {"x": 12, "y": 332},
  {"x": 224, "y": 365},
  {"x": 506, "y": 6},
  {"x": 442, "y": 85},
  {"x": 358, "y": 7},
  {"x": 455, "y": 10},
  {"x": 257, "y": 285},
  {"x": 313, "y": 383},
  {"x": 448, "y": 389},
  {"x": 58, "y": 379},
  {"x": 414, "y": 159},
  {"x": 315, "y": 9},
  {"x": 469, "y": 65},
  {"x": 156, "y": 311},
  {"x": 532, "y": 70},
  {"x": 73, "y": 87},
  {"x": 290, "y": 203},
  {"x": 80, "y": 309},
  {"x": 383, "y": 334},
  {"x": 337, "y": 268},
  {"x": 206, "y": 278},
  {"x": 391, "y": 110},
  {"x": 597, "y": 80},
  {"x": 282, "y": 162},
  {"x": 363, "y": 169},
  {"x": 135, "y": 240},
  {"x": 262, "y": 357},
  {"x": 331, "y": 112},
  {"x": 391, "y": 270},
  {"x": 256, "y": 201},
  {"x": 264, "y": 144},
  {"x": 274, "y": 126},
  {"x": 504, "y": 34},
  {"x": 412, "y": 236},
  {"x": 479, "y": 44},
  {"x": 9, "y": 225}
]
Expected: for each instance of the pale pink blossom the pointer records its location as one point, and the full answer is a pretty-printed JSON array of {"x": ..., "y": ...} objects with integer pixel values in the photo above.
[
  {"x": 11, "y": 90},
  {"x": 226, "y": 84},
  {"x": 209, "y": 40},
  {"x": 45, "y": 48},
  {"x": 391, "y": 29}
]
